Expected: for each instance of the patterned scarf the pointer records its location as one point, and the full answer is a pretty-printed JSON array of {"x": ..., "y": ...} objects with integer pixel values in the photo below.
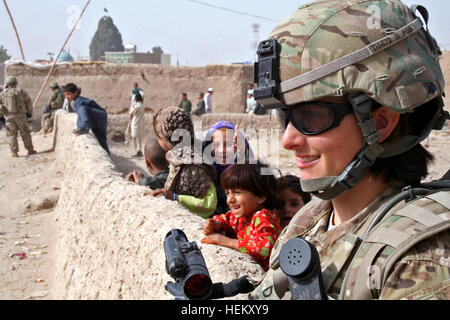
[{"x": 188, "y": 174}]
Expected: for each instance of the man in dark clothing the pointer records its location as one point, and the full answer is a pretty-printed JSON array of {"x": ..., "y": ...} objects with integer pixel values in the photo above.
[
  {"x": 90, "y": 115},
  {"x": 200, "y": 105},
  {"x": 185, "y": 104}
]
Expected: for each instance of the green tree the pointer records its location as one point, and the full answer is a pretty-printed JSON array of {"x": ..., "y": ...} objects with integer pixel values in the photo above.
[
  {"x": 157, "y": 50},
  {"x": 106, "y": 38},
  {"x": 4, "y": 54}
]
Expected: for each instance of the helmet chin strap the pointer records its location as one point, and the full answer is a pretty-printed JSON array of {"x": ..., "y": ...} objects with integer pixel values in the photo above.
[{"x": 329, "y": 187}]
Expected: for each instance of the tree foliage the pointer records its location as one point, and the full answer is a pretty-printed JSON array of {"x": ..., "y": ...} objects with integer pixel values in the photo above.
[
  {"x": 157, "y": 50},
  {"x": 4, "y": 54},
  {"x": 106, "y": 38}
]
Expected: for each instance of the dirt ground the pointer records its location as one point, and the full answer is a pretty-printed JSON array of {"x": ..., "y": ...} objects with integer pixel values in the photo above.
[{"x": 29, "y": 191}]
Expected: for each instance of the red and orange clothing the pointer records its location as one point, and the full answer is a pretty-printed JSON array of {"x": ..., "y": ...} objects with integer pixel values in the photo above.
[{"x": 255, "y": 238}]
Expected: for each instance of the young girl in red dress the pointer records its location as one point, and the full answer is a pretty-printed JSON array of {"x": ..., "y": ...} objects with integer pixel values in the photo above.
[{"x": 250, "y": 226}]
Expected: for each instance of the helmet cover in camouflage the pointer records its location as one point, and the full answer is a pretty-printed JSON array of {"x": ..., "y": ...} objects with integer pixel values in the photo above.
[
  {"x": 10, "y": 81},
  {"x": 400, "y": 77},
  {"x": 54, "y": 85}
]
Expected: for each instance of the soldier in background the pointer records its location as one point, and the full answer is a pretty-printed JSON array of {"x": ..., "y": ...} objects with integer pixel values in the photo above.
[
  {"x": 16, "y": 106},
  {"x": 48, "y": 114},
  {"x": 354, "y": 125}
]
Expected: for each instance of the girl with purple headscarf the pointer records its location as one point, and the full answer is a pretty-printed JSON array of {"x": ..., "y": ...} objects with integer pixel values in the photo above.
[{"x": 224, "y": 145}]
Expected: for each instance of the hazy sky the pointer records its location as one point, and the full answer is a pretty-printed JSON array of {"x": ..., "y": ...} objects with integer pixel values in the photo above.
[{"x": 193, "y": 33}]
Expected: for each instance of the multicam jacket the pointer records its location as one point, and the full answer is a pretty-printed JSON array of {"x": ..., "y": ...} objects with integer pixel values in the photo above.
[
  {"x": 56, "y": 100},
  {"x": 15, "y": 102},
  {"x": 406, "y": 256}
]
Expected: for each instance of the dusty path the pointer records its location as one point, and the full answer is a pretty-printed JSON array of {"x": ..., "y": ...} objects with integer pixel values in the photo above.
[{"x": 29, "y": 190}]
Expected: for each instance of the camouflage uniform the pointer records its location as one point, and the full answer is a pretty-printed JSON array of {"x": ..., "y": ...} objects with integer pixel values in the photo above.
[
  {"x": 378, "y": 48},
  {"x": 421, "y": 272},
  {"x": 55, "y": 103},
  {"x": 14, "y": 106}
]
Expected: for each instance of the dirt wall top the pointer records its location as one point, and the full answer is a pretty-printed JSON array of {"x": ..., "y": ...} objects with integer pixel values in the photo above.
[{"x": 110, "y": 84}]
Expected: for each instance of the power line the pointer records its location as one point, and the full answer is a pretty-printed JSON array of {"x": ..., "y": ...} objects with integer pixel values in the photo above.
[{"x": 233, "y": 11}]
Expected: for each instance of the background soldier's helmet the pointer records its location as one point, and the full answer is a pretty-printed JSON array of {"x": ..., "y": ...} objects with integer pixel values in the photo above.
[
  {"x": 400, "y": 77},
  {"x": 54, "y": 85},
  {"x": 10, "y": 81}
]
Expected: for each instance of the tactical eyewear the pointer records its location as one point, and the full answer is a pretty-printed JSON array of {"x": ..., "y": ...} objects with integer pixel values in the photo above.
[{"x": 312, "y": 118}]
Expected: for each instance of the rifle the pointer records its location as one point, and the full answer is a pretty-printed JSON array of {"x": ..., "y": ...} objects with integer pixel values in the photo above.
[
  {"x": 299, "y": 260},
  {"x": 186, "y": 265}
]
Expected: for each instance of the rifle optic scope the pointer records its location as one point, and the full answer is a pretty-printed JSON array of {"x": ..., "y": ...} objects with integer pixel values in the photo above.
[{"x": 185, "y": 264}]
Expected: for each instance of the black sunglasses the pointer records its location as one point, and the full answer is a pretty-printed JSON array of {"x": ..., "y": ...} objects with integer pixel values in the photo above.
[{"x": 312, "y": 118}]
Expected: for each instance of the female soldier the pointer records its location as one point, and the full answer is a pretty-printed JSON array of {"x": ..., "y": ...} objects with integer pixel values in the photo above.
[{"x": 359, "y": 86}]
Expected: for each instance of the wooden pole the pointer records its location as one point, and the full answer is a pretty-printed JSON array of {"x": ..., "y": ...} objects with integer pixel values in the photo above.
[
  {"x": 57, "y": 56},
  {"x": 15, "y": 30}
]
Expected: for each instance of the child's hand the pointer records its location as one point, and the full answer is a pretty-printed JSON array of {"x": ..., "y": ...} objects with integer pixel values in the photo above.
[
  {"x": 158, "y": 192},
  {"x": 221, "y": 240},
  {"x": 162, "y": 192},
  {"x": 137, "y": 176},
  {"x": 134, "y": 176},
  {"x": 129, "y": 177},
  {"x": 212, "y": 226},
  {"x": 235, "y": 137}
]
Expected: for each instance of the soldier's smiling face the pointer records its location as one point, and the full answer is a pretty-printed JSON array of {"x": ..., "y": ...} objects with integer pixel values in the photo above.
[{"x": 328, "y": 153}]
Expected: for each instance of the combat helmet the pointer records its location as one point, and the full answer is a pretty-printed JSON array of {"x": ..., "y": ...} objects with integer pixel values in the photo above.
[
  {"x": 54, "y": 85},
  {"x": 10, "y": 81},
  {"x": 378, "y": 50}
]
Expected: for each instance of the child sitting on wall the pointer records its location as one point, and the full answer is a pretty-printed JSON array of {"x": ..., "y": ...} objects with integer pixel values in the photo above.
[
  {"x": 292, "y": 197},
  {"x": 250, "y": 226},
  {"x": 90, "y": 115},
  {"x": 157, "y": 165},
  {"x": 190, "y": 180}
]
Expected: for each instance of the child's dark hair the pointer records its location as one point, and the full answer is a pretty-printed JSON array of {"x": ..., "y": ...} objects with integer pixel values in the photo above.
[
  {"x": 138, "y": 97},
  {"x": 249, "y": 177},
  {"x": 70, "y": 87},
  {"x": 293, "y": 183},
  {"x": 155, "y": 154}
]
